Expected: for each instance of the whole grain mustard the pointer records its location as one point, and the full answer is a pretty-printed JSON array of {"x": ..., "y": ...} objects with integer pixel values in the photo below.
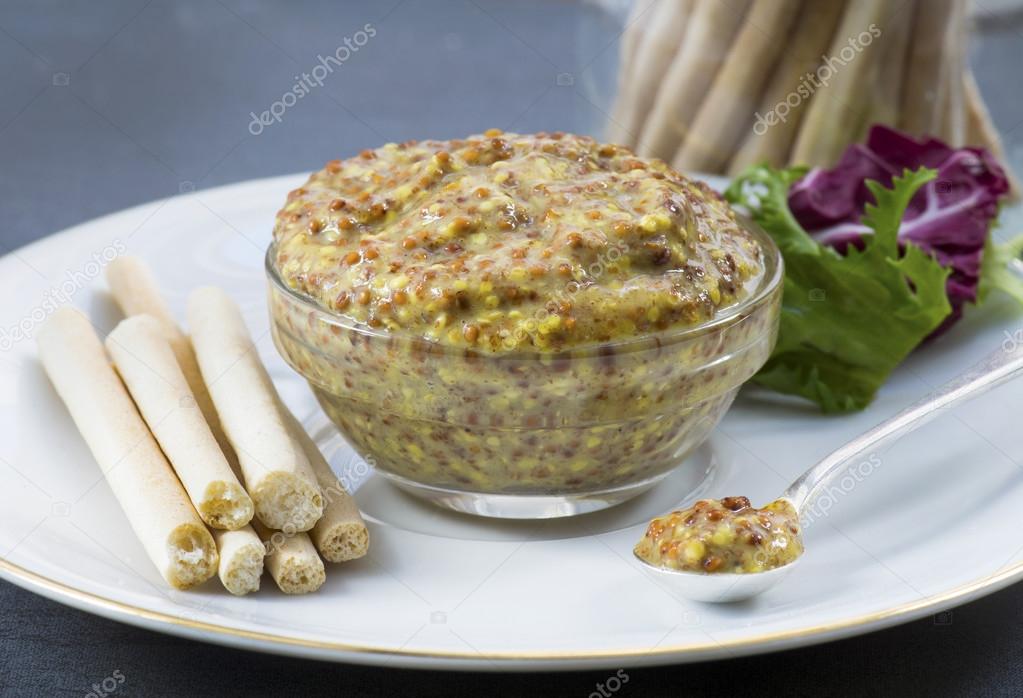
[
  {"x": 498, "y": 314},
  {"x": 513, "y": 242},
  {"x": 722, "y": 536}
]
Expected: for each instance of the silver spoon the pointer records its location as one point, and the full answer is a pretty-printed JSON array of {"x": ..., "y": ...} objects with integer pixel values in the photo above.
[{"x": 998, "y": 367}]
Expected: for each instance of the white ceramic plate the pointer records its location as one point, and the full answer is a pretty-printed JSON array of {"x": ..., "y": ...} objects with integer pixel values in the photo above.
[{"x": 931, "y": 523}]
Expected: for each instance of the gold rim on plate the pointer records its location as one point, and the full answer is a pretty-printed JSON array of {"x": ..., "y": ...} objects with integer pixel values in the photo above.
[{"x": 59, "y": 591}]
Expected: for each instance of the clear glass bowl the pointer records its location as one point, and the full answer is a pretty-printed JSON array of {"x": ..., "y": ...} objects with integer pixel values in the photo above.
[{"x": 527, "y": 435}]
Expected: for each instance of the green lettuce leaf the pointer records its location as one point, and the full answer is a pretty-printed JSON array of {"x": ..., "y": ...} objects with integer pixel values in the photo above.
[
  {"x": 997, "y": 269},
  {"x": 847, "y": 320}
]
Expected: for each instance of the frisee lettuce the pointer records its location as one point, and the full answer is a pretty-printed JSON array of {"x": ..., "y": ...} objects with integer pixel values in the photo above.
[
  {"x": 847, "y": 319},
  {"x": 997, "y": 269}
]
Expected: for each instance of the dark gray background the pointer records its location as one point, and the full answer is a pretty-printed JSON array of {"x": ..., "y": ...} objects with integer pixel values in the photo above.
[{"x": 109, "y": 104}]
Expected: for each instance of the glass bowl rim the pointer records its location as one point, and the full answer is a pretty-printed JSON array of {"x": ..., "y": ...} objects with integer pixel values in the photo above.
[{"x": 770, "y": 281}]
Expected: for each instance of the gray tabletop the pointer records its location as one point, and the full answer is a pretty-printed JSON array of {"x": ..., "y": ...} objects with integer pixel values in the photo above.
[{"x": 107, "y": 105}]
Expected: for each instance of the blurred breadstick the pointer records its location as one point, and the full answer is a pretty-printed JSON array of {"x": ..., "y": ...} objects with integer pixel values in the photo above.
[
  {"x": 889, "y": 72},
  {"x": 135, "y": 291},
  {"x": 151, "y": 373},
  {"x": 724, "y": 114},
  {"x": 710, "y": 29},
  {"x": 292, "y": 561},
  {"x": 341, "y": 534},
  {"x": 653, "y": 56},
  {"x": 980, "y": 128},
  {"x": 636, "y": 25},
  {"x": 922, "y": 94},
  {"x": 981, "y": 131},
  {"x": 241, "y": 560},
  {"x": 838, "y": 111},
  {"x": 951, "y": 126},
  {"x": 153, "y": 501},
  {"x": 276, "y": 471},
  {"x": 767, "y": 142}
]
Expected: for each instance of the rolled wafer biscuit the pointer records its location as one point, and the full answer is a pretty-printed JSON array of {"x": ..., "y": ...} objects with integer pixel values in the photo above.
[
  {"x": 770, "y": 143},
  {"x": 838, "y": 114},
  {"x": 923, "y": 93},
  {"x": 710, "y": 28},
  {"x": 276, "y": 471},
  {"x": 654, "y": 54},
  {"x": 636, "y": 25},
  {"x": 135, "y": 291},
  {"x": 341, "y": 534},
  {"x": 151, "y": 372},
  {"x": 241, "y": 560},
  {"x": 951, "y": 126},
  {"x": 153, "y": 500},
  {"x": 886, "y": 82},
  {"x": 722, "y": 118},
  {"x": 292, "y": 561}
]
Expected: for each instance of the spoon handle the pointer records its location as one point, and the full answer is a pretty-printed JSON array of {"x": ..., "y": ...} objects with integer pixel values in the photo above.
[{"x": 999, "y": 366}]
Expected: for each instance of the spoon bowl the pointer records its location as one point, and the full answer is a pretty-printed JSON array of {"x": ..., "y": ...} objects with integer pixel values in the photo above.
[
  {"x": 1001, "y": 365},
  {"x": 727, "y": 587}
]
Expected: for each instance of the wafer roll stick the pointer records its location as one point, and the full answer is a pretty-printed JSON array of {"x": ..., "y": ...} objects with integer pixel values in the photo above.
[
  {"x": 341, "y": 534},
  {"x": 710, "y": 29},
  {"x": 952, "y": 116},
  {"x": 889, "y": 72},
  {"x": 725, "y": 113},
  {"x": 135, "y": 291},
  {"x": 151, "y": 372},
  {"x": 653, "y": 56},
  {"x": 636, "y": 25},
  {"x": 241, "y": 560},
  {"x": 153, "y": 500},
  {"x": 922, "y": 98},
  {"x": 837, "y": 111},
  {"x": 276, "y": 471},
  {"x": 292, "y": 561},
  {"x": 793, "y": 80}
]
